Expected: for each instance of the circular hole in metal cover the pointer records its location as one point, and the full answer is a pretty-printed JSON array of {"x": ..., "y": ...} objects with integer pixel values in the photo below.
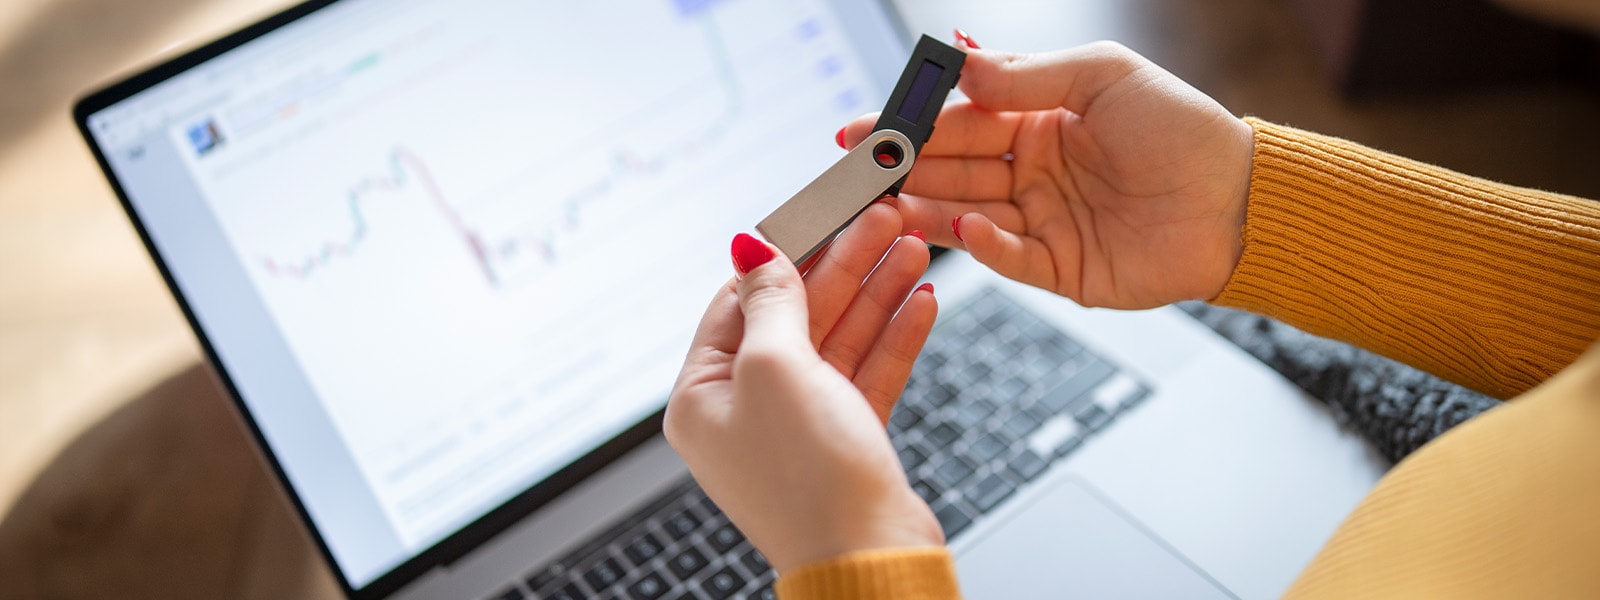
[{"x": 888, "y": 154}]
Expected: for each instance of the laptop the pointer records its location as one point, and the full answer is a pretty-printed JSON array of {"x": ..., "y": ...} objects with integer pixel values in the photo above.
[{"x": 394, "y": 226}]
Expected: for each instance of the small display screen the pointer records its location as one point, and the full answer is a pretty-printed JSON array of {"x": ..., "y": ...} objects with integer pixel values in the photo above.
[{"x": 921, "y": 90}]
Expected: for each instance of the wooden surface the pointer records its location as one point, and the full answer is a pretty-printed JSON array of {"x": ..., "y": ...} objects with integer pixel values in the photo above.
[{"x": 122, "y": 472}]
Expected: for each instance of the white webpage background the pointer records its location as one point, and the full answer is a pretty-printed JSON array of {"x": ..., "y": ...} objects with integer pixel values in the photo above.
[{"x": 486, "y": 229}]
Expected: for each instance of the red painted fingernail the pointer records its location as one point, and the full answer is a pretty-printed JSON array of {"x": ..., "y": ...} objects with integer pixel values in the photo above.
[
  {"x": 961, "y": 36},
  {"x": 925, "y": 286},
  {"x": 955, "y": 227},
  {"x": 839, "y": 137},
  {"x": 890, "y": 200},
  {"x": 749, "y": 253},
  {"x": 917, "y": 233}
]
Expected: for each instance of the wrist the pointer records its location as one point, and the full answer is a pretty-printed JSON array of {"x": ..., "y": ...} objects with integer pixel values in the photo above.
[
  {"x": 1239, "y": 157},
  {"x": 900, "y": 520}
]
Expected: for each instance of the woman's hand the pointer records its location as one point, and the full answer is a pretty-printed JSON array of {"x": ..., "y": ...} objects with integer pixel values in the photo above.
[
  {"x": 781, "y": 405},
  {"x": 1124, "y": 186}
]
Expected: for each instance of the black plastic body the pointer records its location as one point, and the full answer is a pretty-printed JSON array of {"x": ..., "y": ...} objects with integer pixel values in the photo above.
[{"x": 917, "y": 98}]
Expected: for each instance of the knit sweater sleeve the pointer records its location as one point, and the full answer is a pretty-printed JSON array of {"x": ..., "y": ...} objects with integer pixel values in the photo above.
[
  {"x": 1491, "y": 286},
  {"x": 897, "y": 574}
]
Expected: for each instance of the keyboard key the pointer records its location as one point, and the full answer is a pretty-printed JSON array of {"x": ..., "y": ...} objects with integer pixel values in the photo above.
[
  {"x": 953, "y": 471},
  {"x": 911, "y": 458},
  {"x": 710, "y": 507},
  {"x": 1027, "y": 465},
  {"x": 642, "y": 549},
  {"x": 941, "y": 394},
  {"x": 904, "y": 417},
  {"x": 975, "y": 372},
  {"x": 1020, "y": 424},
  {"x": 766, "y": 593},
  {"x": 1076, "y": 388},
  {"x": 723, "y": 584},
  {"x": 1092, "y": 416},
  {"x": 990, "y": 491},
  {"x": 952, "y": 518},
  {"x": 1010, "y": 389},
  {"x": 513, "y": 593},
  {"x": 970, "y": 414},
  {"x": 681, "y": 524},
  {"x": 987, "y": 448},
  {"x": 649, "y": 587},
  {"x": 603, "y": 574},
  {"x": 725, "y": 538},
  {"x": 1057, "y": 433},
  {"x": 1135, "y": 398},
  {"x": 941, "y": 436},
  {"x": 1112, "y": 394},
  {"x": 542, "y": 579},
  {"x": 687, "y": 563},
  {"x": 567, "y": 592},
  {"x": 755, "y": 562},
  {"x": 927, "y": 490}
]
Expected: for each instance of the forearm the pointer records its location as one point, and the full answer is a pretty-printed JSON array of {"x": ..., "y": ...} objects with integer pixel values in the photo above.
[{"x": 1492, "y": 286}]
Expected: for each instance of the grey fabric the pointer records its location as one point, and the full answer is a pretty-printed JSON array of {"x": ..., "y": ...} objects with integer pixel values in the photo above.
[{"x": 1394, "y": 407}]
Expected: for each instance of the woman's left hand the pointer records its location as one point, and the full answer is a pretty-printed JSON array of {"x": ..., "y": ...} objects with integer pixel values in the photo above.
[{"x": 781, "y": 405}]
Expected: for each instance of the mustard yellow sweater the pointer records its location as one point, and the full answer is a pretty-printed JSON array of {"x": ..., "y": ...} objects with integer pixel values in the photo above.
[{"x": 1491, "y": 286}]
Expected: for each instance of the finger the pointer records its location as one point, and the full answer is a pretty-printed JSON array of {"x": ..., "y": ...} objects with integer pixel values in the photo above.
[
  {"x": 722, "y": 325},
  {"x": 966, "y": 178},
  {"x": 883, "y": 374},
  {"x": 863, "y": 321},
  {"x": 1070, "y": 78},
  {"x": 963, "y": 129},
  {"x": 714, "y": 343},
  {"x": 933, "y": 217},
  {"x": 837, "y": 276},
  {"x": 811, "y": 261},
  {"x": 1023, "y": 258},
  {"x": 772, "y": 298}
]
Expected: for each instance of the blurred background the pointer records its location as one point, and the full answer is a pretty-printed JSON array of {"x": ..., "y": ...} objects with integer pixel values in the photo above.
[{"x": 123, "y": 472}]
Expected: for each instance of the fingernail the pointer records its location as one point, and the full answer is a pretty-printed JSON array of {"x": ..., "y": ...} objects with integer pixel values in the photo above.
[
  {"x": 955, "y": 227},
  {"x": 961, "y": 36},
  {"x": 749, "y": 253},
  {"x": 925, "y": 287},
  {"x": 917, "y": 233},
  {"x": 890, "y": 200},
  {"x": 839, "y": 137}
]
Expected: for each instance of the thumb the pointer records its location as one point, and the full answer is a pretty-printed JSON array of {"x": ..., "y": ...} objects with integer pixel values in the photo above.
[
  {"x": 771, "y": 295},
  {"x": 1070, "y": 78}
]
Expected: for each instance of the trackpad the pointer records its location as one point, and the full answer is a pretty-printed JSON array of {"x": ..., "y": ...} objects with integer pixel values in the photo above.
[{"x": 1069, "y": 543}]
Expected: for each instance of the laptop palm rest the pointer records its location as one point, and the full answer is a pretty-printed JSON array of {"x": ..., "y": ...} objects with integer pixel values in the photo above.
[{"x": 1070, "y": 542}]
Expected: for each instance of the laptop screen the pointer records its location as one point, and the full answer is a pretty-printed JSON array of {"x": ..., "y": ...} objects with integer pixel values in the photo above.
[{"x": 441, "y": 250}]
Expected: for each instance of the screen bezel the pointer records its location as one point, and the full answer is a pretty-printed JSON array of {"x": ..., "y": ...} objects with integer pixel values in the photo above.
[{"x": 465, "y": 539}]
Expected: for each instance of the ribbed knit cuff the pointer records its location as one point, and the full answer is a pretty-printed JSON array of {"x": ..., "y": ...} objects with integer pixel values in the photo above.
[
  {"x": 901, "y": 574},
  {"x": 1491, "y": 286}
]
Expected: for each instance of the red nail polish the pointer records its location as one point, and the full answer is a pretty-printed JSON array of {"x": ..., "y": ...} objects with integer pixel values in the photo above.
[
  {"x": 925, "y": 286},
  {"x": 917, "y": 233},
  {"x": 961, "y": 36},
  {"x": 890, "y": 200},
  {"x": 749, "y": 253},
  {"x": 839, "y": 137},
  {"x": 955, "y": 227}
]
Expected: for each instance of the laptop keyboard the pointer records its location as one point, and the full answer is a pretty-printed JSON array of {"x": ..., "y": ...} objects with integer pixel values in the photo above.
[{"x": 995, "y": 397}]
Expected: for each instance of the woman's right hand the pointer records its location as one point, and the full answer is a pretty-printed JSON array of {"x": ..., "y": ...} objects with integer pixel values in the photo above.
[{"x": 1124, "y": 186}]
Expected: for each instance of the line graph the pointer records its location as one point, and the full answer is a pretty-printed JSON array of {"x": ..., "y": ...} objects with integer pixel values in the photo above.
[{"x": 540, "y": 242}]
